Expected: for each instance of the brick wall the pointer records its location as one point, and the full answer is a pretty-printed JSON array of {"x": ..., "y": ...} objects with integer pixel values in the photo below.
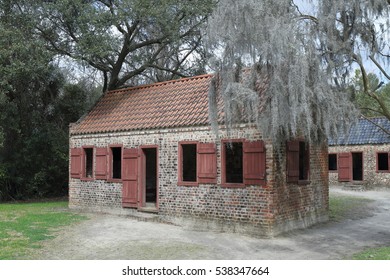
[
  {"x": 302, "y": 205},
  {"x": 371, "y": 178},
  {"x": 260, "y": 210}
]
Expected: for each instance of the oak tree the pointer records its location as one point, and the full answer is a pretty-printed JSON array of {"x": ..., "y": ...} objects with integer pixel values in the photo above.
[{"x": 306, "y": 52}]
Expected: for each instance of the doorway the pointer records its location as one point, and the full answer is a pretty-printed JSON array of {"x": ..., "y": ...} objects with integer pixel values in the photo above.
[
  {"x": 357, "y": 166},
  {"x": 149, "y": 178}
]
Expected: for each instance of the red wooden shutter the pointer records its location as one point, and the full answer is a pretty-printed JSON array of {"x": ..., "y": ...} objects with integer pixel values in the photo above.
[
  {"x": 130, "y": 178},
  {"x": 292, "y": 161},
  {"x": 75, "y": 163},
  {"x": 207, "y": 163},
  {"x": 101, "y": 172},
  {"x": 254, "y": 163},
  {"x": 345, "y": 170}
]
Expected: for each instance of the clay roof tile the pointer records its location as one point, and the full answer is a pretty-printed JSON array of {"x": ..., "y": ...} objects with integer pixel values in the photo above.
[{"x": 182, "y": 102}]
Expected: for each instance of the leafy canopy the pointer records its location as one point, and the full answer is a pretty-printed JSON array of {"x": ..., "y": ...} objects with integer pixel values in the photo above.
[
  {"x": 36, "y": 105},
  {"x": 128, "y": 41}
]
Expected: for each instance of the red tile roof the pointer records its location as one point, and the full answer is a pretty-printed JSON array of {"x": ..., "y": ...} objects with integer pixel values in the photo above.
[{"x": 176, "y": 103}]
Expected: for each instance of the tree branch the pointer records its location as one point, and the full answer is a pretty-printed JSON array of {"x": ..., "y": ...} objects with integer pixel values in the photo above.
[
  {"x": 304, "y": 16},
  {"x": 309, "y": 17},
  {"x": 175, "y": 72},
  {"x": 138, "y": 71},
  {"x": 146, "y": 43},
  {"x": 385, "y": 55},
  {"x": 367, "y": 90},
  {"x": 63, "y": 51},
  {"x": 379, "y": 66},
  {"x": 181, "y": 61},
  {"x": 372, "y": 110},
  {"x": 377, "y": 125}
]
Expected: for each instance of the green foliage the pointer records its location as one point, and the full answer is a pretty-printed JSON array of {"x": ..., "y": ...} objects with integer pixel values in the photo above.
[
  {"x": 1, "y": 137},
  {"x": 36, "y": 106},
  {"x": 127, "y": 40},
  {"x": 122, "y": 39},
  {"x": 368, "y": 105},
  {"x": 24, "y": 226},
  {"x": 34, "y": 161}
]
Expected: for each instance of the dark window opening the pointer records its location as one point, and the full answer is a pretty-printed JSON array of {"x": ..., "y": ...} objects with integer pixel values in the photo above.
[
  {"x": 303, "y": 161},
  {"x": 189, "y": 162},
  {"x": 150, "y": 174},
  {"x": 357, "y": 165},
  {"x": 88, "y": 152},
  {"x": 332, "y": 162},
  {"x": 383, "y": 162},
  {"x": 116, "y": 162},
  {"x": 234, "y": 163}
]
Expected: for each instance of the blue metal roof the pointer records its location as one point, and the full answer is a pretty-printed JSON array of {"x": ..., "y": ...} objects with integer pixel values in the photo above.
[{"x": 365, "y": 132}]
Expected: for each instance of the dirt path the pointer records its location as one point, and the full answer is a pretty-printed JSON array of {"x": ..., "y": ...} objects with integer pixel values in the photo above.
[{"x": 115, "y": 237}]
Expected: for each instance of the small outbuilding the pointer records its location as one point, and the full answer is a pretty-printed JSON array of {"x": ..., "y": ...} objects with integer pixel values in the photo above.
[
  {"x": 151, "y": 149},
  {"x": 362, "y": 156}
]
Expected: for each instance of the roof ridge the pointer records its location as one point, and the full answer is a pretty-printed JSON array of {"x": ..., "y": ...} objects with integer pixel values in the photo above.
[{"x": 160, "y": 83}]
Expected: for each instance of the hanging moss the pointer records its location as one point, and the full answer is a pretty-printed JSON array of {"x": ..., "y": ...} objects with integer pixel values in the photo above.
[{"x": 296, "y": 66}]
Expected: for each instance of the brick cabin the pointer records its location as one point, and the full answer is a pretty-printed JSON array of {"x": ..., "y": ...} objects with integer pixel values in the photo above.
[
  {"x": 362, "y": 156},
  {"x": 151, "y": 149}
]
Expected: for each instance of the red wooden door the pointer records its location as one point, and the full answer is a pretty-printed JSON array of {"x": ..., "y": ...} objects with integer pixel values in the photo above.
[
  {"x": 345, "y": 167},
  {"x": 130, "y": 178}
]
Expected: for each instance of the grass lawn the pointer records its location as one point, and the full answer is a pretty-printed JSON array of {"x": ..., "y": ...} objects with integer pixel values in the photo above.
[
  {"x": 381, "y": 253},
  {"x": 343, "y": 207},
  {"x": 24, "y": 226},
  {"x": 350, "y": 207}
]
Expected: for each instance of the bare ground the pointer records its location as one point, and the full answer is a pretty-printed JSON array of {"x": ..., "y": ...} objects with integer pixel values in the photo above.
[{"x": 117, "y": 237}]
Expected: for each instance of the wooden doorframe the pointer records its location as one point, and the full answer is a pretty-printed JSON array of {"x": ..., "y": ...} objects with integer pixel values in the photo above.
[{"x": 142, "y": 175}]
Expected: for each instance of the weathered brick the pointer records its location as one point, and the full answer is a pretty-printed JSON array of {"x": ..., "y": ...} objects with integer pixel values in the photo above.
[{"x": 261, "y": 210}]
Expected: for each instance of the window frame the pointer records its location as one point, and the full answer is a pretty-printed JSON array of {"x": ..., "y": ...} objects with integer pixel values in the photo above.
[
  {"x": 337, "y": 163},
  {"x": 180, "y": 181},
  {"x": 110, "y": 163},
  {"x": 223, "y": 163},
  {"x": 377, "y": 162},
  {"x": 84, "y": 163},
  {"x": 307, "y": 163}
]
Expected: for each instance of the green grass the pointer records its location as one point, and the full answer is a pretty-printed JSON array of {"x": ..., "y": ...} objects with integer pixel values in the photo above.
[
  {"x": 347, "y": 207},
  {"x": 380, "y": 253},
  {"x": 24, "y": 226},
  {"x": 350, "y": 207}
]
